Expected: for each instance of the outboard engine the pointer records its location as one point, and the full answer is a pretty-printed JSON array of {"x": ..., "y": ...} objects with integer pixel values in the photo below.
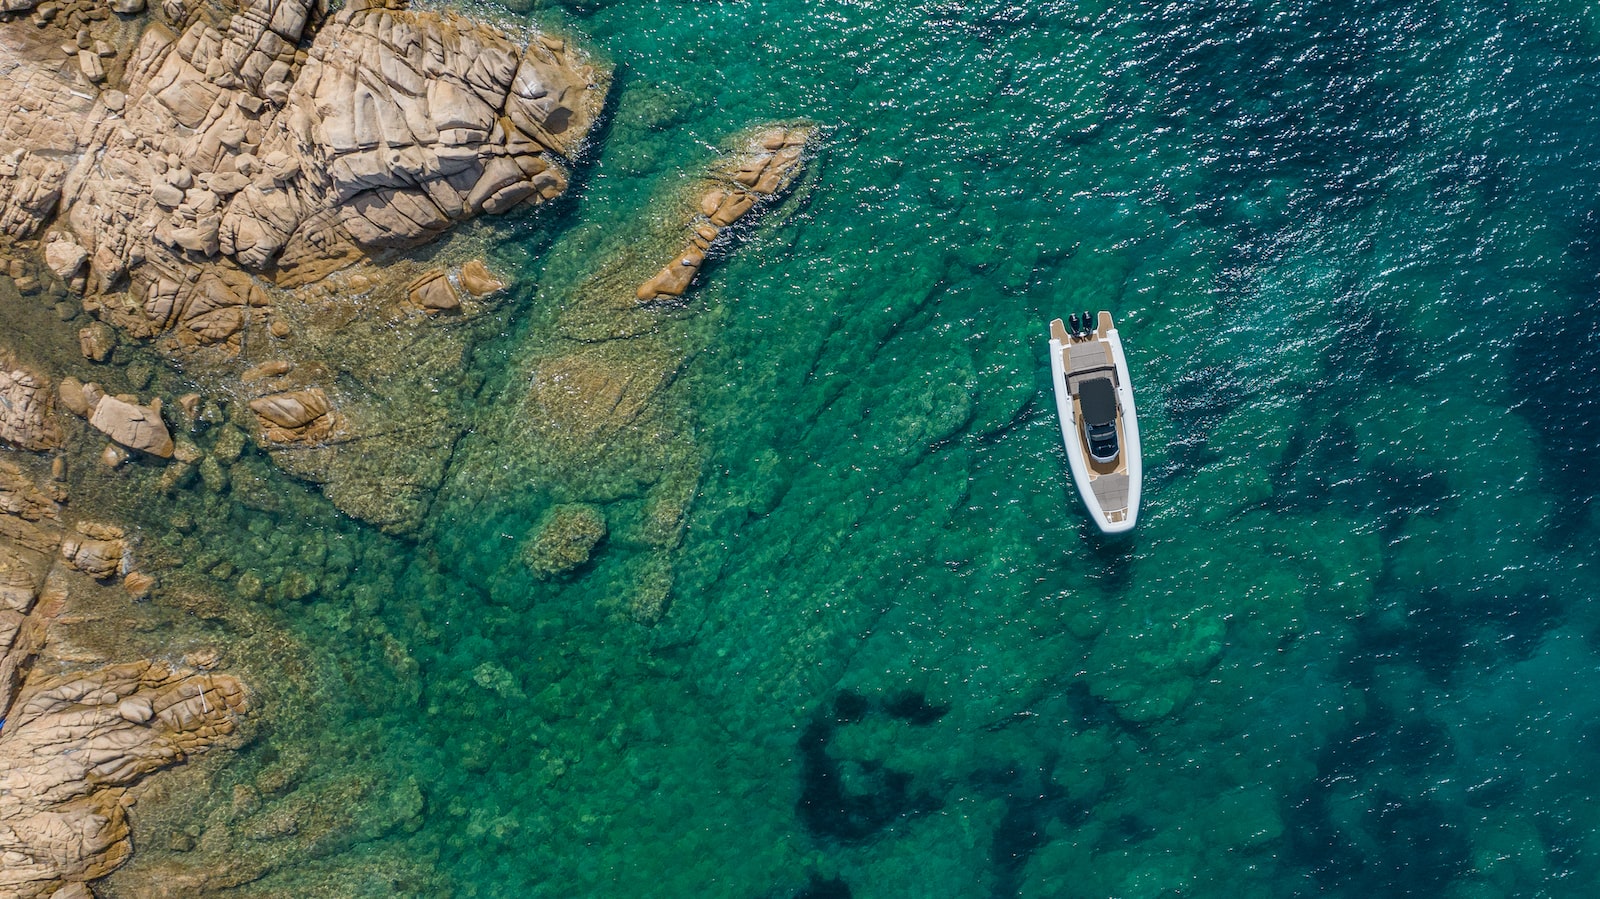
[
  {"x": 1072, "y": 321},
  {"x": 1088, "y": 324}
]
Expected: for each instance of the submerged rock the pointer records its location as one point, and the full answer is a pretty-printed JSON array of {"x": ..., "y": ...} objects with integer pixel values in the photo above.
[
  {"x": 476, "y": 279},
  {"x": 598, "y": 416},
  {"x": 564, "y": 540},
  {"x": 97, "y": 341},
  {"x": 73, "y": 396},
  {"x": 432, "y": 292}
]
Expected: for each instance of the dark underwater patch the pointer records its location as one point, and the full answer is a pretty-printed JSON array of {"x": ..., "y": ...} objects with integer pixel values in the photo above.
[
  {"x": 1556, "y": 384},
  {"x": 1358, "y": 827},
  {"x": 914, "y": 708},
  {"x": 1029, "y": 812},
  {"x": 1386, "y": 741},
  {"x": 1389, "y": 845},
  {"x": 1442, "y": 634},
  {"x": 1424, "y": 632},
  {"x": 832, "y": 888},
  {"x": 849, "y": 707},
  {"x": 1200, "y": 400},
  {"x": 849, "y": 800}
]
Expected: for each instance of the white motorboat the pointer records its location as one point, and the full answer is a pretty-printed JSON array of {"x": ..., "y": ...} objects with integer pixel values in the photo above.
[{"x": 1094, "y": 399}]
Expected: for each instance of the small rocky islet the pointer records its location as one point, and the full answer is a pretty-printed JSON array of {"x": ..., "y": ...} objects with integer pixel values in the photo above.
[{"x": 233, "y": 197}]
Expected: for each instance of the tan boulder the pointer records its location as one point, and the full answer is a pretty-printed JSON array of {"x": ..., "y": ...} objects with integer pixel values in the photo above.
[
  {"x": 272, "y": 369},
  {"x": 96, "y": 550},
  {"x": 138, "y": 584},
  {"x": 132, "y": 425},
  {"x": 299, "y": 416},
  {"x": 114, "y": 456},
  {"x": 90, "y": 65},
  {"x": 674, "y": 279},
  {"x": 97, "y": 341},
  {"x": 732, "y": 208},
  {"x": 432, "y": 292},
  {"x": 63, "y": 256},
  {"x": 477, "y": 280},
  {"x": 73, "y": 397}
]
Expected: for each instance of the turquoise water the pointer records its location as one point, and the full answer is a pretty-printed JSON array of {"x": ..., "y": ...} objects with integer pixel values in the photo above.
[{"x": 1352, "y": 249}]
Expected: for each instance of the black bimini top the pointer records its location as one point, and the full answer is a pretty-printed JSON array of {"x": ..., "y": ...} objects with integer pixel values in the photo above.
[{"x": 1099, "y": 401}]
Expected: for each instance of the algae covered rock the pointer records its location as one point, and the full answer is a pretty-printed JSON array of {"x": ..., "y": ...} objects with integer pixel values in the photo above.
[
  {"x": 652, "y": 588},
  {"x": 97, "y": 341},
  {"x": 1148, "y": 671},
  {"x": 565, "y": 539}
]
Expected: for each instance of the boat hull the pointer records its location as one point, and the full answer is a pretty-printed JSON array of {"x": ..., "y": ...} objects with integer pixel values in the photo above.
[{"x": 1113, "y": 520}]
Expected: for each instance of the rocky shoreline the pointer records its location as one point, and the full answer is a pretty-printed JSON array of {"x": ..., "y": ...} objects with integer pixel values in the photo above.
[
  {"x": 235, "y": 175},
  {"x": 236, "y": 195},
  {"x": 205, "y": 180},
  {"x": 74, "y": 740}
]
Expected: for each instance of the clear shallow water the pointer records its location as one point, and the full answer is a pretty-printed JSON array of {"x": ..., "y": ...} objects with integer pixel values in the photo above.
[{"x": 1351, "y": 247}]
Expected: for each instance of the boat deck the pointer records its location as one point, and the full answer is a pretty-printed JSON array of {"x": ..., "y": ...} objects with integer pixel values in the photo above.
[
  {"x": 1081, "y": 360},
  {"x": 1112, "y": 492}
]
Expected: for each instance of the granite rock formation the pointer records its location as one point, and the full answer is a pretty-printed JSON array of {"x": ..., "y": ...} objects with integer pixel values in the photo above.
[
  {"x": 202, "y": 187},
  {"x": 477, "y": 280},
  {"x": 765, "y": 169},
  {"x": 26, "y": 411},
  {"x": 238, "y": 161},
  {"x": 73, "y": 741},
  {"x": 303, "y": 416},
  {"x": 132, "y": 425},
  {"x": 70, "y": 748}
]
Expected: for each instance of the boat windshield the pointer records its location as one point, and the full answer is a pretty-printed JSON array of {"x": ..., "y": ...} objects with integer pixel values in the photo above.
[
  {"x": 1099, "y": 403},
  {"x": 1103, "y": 442}
]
